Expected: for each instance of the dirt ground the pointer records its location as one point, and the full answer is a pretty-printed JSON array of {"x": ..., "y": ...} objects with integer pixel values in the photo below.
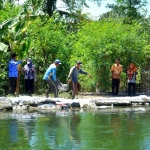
[{"x": 93, "y": 96}]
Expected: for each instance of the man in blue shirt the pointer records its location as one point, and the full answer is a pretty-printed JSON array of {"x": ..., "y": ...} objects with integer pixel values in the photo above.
[
  {"x": 73, "y": 78},
  {"x": 13, "y": 72},
  {"x": 50, "y": 78}
]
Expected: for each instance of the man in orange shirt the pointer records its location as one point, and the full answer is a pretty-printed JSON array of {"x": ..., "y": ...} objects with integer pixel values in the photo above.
[{"x": 116, "y": 69}]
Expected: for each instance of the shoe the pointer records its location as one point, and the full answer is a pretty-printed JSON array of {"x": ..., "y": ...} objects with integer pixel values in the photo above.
[{"x": 73, "y": 96}]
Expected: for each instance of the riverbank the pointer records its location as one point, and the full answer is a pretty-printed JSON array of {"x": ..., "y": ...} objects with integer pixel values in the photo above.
[{"x": 85, "y": 101}]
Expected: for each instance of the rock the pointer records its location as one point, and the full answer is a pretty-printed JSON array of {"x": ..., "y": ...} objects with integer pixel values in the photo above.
[
  {"x": 46, "y": 107},
  {"x": 5, "y": 104},
  {"x": 75, "y": 105},
  {"x": 104, "y": 106}
]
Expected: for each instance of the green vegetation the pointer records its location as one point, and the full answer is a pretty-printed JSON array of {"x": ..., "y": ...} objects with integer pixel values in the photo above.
[{"x": 30, "y": 31}]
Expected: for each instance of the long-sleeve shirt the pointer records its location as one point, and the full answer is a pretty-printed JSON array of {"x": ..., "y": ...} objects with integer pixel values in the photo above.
[
  {"x": 13, "y": 68},
  {"x": 50, "y": 72},
  {"x": 74, "y": 73},
  {"x": 133, "y": 78},
  {"x": 116, "y": 70},
  {"x": 28, "y": 73}
]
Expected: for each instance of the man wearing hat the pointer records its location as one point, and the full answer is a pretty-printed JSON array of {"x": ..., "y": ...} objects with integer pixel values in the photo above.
[
  {"x": 73, "y": 78},
  {"x": 50, "y": 78}
]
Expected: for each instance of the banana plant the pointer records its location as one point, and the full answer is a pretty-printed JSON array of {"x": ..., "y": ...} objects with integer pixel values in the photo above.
[
  {"x": 14, "y": 38},
  {"x": 14, "y": 35},
  {"x": 3, "y": 47}
]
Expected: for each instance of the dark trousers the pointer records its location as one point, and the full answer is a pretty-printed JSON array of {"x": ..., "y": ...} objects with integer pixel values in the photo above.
[
  {"x": 29, "y": 86},
  {"x": 52, "y": 87},
  {"x": 13, "y": 84},
  {"x": 115, "y": 86},
  {"x": 131, "y": 89}
]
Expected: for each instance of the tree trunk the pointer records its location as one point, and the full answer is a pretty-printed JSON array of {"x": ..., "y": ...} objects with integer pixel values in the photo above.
[{"x": 50, "y": 6}]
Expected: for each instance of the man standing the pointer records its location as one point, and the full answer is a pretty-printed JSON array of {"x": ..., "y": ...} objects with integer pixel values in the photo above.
[
  {"x": 50, "y": 78},
  {"x": 116, "y": 69},
  {"x": 13, "y": 72},
  {"x": 73, "y": 78}
]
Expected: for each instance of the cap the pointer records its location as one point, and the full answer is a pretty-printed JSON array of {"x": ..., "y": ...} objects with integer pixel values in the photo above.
[
  {"x": 29, "y": 59},
  {"x": 57, "y": 61},
  {"x": 79, "y": 62}
]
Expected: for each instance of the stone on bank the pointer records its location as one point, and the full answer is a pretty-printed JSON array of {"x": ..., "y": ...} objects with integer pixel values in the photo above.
[{"x": 48, "y": 104}]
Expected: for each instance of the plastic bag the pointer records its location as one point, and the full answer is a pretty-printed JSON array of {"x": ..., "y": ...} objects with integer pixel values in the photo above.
[{"x": 62, "y": 87}]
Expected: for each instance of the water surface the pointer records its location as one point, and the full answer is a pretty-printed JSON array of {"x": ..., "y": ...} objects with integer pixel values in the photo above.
[{"x": 103, "y": 129}]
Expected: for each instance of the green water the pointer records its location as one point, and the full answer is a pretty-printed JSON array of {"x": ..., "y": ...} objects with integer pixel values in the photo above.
[{"x": 109, "y": 129}]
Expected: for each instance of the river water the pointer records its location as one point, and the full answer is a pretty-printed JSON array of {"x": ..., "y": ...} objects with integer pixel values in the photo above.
[{"x": 102, "y": 129}]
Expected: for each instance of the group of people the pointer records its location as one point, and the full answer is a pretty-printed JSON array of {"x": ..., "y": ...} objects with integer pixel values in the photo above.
[
  {"x": 116, "y": 70},
  {"x": 29, "y": 74},
  {"x": 51, "y": 78}
]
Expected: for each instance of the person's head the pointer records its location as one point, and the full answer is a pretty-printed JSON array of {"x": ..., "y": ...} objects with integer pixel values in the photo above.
[
  {"x": 29, "y": 60},
  {"x": 117, "y": 61},
  {"x": 57, "y": 62},
  {"x": 14, "y": 56},
  {"x": 132, "y": 65},
  {"x": 79, "y": 64}
]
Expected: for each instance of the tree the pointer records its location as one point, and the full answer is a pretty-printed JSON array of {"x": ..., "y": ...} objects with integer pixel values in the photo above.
[
  {"x": 50, "y": 40},
  {"x": 49, "y": 6},
  {"x": 128, "y": 9},
  {"x": 100, "y": 43},
  {"x": 7, "y": 12}
]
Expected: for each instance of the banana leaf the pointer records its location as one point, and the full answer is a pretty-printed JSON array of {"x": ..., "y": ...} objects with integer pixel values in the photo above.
[{"x": 3, "y": 47}]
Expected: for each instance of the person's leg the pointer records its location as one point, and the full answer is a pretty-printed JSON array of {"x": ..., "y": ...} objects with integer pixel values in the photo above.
[
  {"x": 133, "y": 89},
  {"x": 129, "y": 89},
  {"x": 74, "y": 89},
  {"x": 13, "y": 84},
  {"x": 52, "y": 87},
  {"x": 78, "y": 87},
  {"x": 117, "y": 82},
  {"x": 31, "y": 86},
  {"x": 27, "y": 86},
  {"x": 113, "y": 86}
]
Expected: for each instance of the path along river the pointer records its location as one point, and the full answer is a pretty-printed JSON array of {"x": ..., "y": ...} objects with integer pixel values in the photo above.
[{"x": 121, "y": 128}]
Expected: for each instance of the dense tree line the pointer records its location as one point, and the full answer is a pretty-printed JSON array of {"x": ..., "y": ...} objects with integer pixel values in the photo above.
[{"x": 38, "y": 30}]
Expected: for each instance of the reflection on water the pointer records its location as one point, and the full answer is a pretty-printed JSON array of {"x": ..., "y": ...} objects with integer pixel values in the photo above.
[{"x": 103, "y": 129}]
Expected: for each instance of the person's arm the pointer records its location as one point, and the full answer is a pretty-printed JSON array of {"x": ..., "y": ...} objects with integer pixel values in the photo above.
[
  {"x": 25, "y": 68},
  {"x": 83, "y": 72},
  {"x": 120, "y": 68},
  {"x": 112, "y": 69},
  {"x": 136, "y": 73},
  {"x": 54, "y": 74},
  {"x": 48, "y": 74},
  {"x": 33, "y": 68},
  {"x": 70, "y": 73},
  {"x": 19, "y": 62}
]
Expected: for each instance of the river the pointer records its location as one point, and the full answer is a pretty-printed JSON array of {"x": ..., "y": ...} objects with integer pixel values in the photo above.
[{"x": 118, "y": 128}]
